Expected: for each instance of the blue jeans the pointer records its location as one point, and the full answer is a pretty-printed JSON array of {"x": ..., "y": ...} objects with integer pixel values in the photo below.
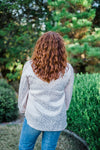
[{"x": 29, "y": 136}]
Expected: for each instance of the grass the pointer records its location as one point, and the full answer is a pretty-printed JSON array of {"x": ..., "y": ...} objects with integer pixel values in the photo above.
[{"x": 9, "y": 139}]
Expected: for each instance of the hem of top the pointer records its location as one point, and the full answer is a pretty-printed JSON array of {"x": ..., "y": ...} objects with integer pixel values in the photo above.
[{"x": 40, "y": 129}]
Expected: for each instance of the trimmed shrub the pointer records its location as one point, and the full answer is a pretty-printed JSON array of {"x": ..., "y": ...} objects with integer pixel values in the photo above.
[
  {"x": 84, "y": 113},
  {"x": 8, "y": 102},
  {"x": 4, "y": 83}
]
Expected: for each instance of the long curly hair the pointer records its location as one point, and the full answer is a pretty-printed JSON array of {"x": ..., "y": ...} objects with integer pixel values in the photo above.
[{"x": 49, "y": 58}]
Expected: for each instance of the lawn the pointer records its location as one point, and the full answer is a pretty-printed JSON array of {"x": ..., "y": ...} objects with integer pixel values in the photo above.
[{"x": 9, "y": 139}]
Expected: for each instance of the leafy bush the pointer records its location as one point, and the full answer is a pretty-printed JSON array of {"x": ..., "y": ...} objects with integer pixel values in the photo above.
[
  {"x": 84, "y": 113},
  {"x": 13, "y": 85},
  {"x": 4, "y": 83},
  {"x": 8, "y": 102}
]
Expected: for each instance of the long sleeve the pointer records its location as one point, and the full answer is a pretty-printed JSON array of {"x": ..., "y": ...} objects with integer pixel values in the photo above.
[
  {"x": 23, "y": 90},
  {"x": 69, "y": 89}
]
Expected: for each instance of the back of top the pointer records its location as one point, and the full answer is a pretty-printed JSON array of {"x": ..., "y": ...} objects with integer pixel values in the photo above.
[{"x": 43, "y": 103}]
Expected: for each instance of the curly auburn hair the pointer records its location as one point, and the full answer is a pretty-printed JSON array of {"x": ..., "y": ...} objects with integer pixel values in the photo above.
[{"x": 49, "y": 57}]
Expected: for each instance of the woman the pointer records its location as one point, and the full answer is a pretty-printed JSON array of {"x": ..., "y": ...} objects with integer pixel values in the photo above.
[{"x": 45, "y": 92}]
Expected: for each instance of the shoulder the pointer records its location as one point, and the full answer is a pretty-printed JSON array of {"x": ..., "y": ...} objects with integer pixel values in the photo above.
[
  {"x": 70, "y": 67},
  {"x": 26, "y": 66},
  {"x": 71, "y": 70},
  {"x": 27, "y": 63}
]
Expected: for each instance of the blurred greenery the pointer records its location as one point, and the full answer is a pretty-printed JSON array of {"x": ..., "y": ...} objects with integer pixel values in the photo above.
[
  {"x": 84, "y": 113},
  {"x": 22, "y": 22},
  {"x": 77, "y": 22},
  {"x": 8, "y": 102}
]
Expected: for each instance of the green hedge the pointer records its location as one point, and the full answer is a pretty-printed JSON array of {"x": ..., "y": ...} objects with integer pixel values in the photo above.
[
  {"x": 8, "y": 102},
  {"x": 84, "y": 114},
  {"x": 4, "y": 84}
]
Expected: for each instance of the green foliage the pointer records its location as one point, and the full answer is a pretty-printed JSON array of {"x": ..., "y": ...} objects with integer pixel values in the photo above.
[
  {"x": 74, "y": 21},
  {"x": 8, "y": 102},
  {"x": 21, "y": 23},
  {"x": 84, "y": 112},
  {"x": 93, "y": 39},
  {"x": 96, "y": 21},
  {"x": 4, "y": 84}
]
